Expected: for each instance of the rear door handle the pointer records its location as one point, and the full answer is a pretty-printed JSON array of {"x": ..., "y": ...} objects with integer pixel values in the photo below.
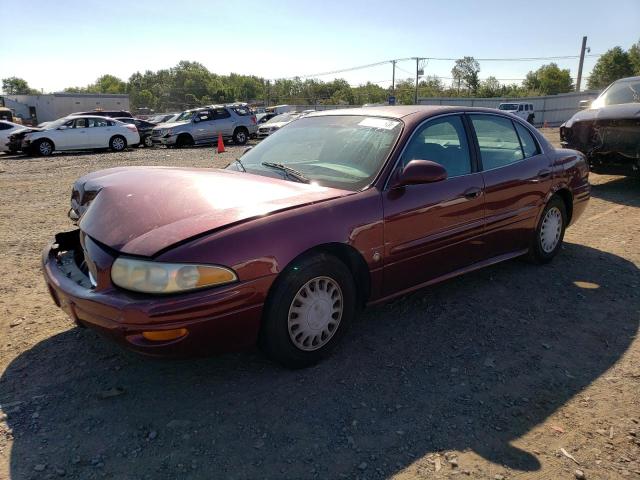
[{"x": 473, "y": 192}]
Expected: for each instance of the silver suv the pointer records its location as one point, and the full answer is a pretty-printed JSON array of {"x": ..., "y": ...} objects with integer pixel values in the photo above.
[{"x": 202, "y": 126}]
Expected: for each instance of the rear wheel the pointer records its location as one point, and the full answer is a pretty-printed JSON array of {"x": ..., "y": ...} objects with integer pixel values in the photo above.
[
  {"x": 309, "y": 310},
  {"x": 240, "y": 136},
  {"x": 117, "y": 143},
  {"x": 147, "y": 141},
  {"x": 550, "y": 232},
  {"x": 44, "y": 147}
]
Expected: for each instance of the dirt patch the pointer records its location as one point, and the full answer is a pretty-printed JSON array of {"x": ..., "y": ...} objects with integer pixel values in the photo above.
[{"x": 512, "y": 371}]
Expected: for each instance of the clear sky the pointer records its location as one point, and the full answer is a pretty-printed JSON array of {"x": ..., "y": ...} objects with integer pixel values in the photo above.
[{"x": 59, "y": 43}]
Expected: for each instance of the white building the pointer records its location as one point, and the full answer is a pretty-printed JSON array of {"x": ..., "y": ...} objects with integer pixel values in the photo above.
[{"x": 47, "y": 107}]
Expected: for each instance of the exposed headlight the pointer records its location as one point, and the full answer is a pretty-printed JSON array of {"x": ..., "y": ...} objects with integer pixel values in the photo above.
[
  {"x": 167, "y": 131},
  {"x": 155, "y": 277}
]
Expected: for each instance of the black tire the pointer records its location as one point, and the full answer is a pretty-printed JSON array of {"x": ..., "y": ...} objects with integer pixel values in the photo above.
[
  {"x": 184, "y": 140},
  {"x": 147, "y": 141},
  {"x": 275, "y": 339},
  {"x": 43, "y": 147},
  {"x": 118, "y": 143},
  {"x": 240, "y": 136},
  {"x": 540, "y": 251}
]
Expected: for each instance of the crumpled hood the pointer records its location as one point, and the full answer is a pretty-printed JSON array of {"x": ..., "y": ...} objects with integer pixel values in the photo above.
[
  {"x": 142, "y": 210},
  {"x": 611, "y": 112},
  {"x": 170, "y": 125}
]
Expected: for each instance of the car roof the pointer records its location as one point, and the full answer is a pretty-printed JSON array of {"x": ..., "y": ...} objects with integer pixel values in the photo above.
[{"x": 404, "y": 112}]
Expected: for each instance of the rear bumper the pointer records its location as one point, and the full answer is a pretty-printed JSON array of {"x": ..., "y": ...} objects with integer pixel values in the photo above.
[{"x": 217, "y": 320}]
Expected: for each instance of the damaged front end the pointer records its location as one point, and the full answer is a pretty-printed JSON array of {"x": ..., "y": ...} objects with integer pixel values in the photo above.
[{"x": 610, "y": 145}]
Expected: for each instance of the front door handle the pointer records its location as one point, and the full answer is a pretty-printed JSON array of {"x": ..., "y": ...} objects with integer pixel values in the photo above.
[
  {"x": 473, "y": 192},
  {"x": 544, "y": 173}
]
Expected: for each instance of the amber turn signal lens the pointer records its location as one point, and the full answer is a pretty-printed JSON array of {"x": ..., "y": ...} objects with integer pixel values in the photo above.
[{"x": 164, "y": 335}]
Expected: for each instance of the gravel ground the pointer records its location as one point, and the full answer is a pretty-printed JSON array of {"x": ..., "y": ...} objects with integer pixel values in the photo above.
[{"x": 515, "y": 371}]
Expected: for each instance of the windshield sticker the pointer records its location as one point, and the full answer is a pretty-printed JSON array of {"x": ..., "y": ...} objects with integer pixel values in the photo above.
[{"x": 383, "y": 123}]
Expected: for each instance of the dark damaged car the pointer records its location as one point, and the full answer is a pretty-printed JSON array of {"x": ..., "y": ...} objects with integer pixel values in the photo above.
[
  {"x": 608, "y": 133},
  {"x": 332, "y": 212}
]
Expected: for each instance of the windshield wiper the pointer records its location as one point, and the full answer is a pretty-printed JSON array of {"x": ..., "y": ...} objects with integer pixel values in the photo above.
[
  {"x": 289, "y": 172},
  {"x": 240, "y": 164}
]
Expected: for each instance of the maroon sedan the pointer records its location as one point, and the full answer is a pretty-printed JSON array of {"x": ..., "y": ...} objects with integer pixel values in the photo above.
[{"x": 335, "y": 211}]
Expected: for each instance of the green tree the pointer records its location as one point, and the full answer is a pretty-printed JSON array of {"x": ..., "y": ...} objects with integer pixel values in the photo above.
[
  {"x": 490, "y": 87},
  {"x": 17, "y": 86},
  {"x": 549, "y": 80},
  {"x": 634, "y": 57},
  {"x": 465, "y": 74},
  {"x": 612, "y": 65}
]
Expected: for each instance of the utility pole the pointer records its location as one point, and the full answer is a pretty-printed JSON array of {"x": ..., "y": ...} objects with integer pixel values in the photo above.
[
  {"x": 417, "y": 67},
  {"x": 393, "y": 78},
  {"x": 584, "y": 48}
]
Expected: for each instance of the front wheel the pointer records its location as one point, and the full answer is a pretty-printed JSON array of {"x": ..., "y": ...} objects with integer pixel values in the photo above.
[
  {"x": 308, "y": 311},
  {"x": 550, "y": 232},
  {"x": 147, "y": 141},
  {"x": 117, "y": 143},
  {"x": 44, "y": 148},
  {"x": 240, "y": 136}
]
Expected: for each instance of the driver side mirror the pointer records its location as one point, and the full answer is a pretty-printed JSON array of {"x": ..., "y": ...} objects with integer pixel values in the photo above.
[
  {"x": 62, "y": 127},
  {"x": 419, "y": 171}
]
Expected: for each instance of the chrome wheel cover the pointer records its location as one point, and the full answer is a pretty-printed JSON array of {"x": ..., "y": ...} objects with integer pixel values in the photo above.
[
  {"x": 315, "y": 313},
  {"x": 551, "y": 229},
  {"x": 117, "y": 144},
  {"x": 44, "y": 148}
]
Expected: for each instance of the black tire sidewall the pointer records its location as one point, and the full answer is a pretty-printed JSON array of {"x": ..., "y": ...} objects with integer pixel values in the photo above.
[
  {"x": 274, "y": 335},
  {"x": 537, "y": 254},
  {"x": 184, "y": 140}
]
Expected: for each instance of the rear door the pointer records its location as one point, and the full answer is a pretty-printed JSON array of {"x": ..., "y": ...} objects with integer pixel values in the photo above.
[
  {"x": 100, "y": 132},
  {"x": 517, "y": 178},
  {"x": 436, "y": 228},
  {"x": 224, "y": 122}
]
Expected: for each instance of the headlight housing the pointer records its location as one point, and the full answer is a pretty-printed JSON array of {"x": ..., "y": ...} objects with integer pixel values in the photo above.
[{"x": 155, "y": 277}]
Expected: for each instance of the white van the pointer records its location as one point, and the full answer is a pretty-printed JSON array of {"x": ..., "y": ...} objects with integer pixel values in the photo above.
[{"x": 522, "y": 110}]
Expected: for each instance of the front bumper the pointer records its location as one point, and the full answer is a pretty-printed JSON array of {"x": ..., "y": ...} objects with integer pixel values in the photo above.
[
  {"x": 168, "y": 140},
  {"x": 217, "y": 320}
]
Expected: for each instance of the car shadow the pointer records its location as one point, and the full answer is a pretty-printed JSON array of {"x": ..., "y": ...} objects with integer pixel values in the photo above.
[
  {"x": 473, "y": 363},
  {"x": 621, "y": 190}
]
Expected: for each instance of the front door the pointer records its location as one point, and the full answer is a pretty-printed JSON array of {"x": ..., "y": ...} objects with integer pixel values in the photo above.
[
  {"x": 434, "y": 229},
  {"x": 517, "y": 177}
]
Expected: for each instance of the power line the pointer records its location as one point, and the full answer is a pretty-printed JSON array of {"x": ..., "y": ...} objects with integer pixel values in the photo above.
[{"x": 384, "y": 62}]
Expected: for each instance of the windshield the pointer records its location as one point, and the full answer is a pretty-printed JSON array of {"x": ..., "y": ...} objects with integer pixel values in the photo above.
[
  {"x": 338, "y": 151},
  {"x": 624, "y": 91},
  {"x": 56, "y": 123},
  {"x": 184, "y": 116},
  {"x": 284, "y": 117},
  {"x": 508, "y": 106}
]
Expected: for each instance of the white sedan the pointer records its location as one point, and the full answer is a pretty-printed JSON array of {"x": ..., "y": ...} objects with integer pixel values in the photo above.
[
  {"x": 81, "y": 132},
  {"x": 6, "y": 130}
]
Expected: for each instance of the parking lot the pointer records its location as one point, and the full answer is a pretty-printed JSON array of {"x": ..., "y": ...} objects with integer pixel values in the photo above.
[{"x": 512, "y": 371}]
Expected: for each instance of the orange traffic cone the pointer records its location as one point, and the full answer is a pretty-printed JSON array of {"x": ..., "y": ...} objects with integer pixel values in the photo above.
[{"x": 220, "y": 143}]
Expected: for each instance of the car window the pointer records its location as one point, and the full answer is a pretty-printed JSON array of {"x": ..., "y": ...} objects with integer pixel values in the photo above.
[
  {"x": 529, "y": 145},
  {"x": 497, "y": 139},
  {"x": 204, "y": 115},
  {"x": 443, "y": 141},
  {"x": 520, "y": 107},
  {"x": 242, "y": 111},
  {"x": 220, "y": 113},
  {"x": 97, "y": 122},
  {"x": 4, "y": 126},
  {"x": 69, "y": 124},
  {"x": 81, "y": 123}
]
